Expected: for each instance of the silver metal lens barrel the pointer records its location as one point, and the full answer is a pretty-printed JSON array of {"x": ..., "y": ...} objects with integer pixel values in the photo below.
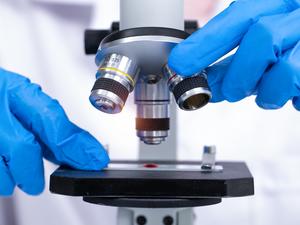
[
  {"x": 191, "y": 93},
  {"x": 152, "y": 122},
  {"x": 152, "y": 100},
  {"x": 117, "y": 78}
]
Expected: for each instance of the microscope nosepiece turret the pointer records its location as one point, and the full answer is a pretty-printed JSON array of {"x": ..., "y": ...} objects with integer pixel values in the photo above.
[{"x": 135, "y": 59}]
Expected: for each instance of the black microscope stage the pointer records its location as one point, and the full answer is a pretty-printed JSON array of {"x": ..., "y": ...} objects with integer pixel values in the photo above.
[{"x": 155, "y": 185}]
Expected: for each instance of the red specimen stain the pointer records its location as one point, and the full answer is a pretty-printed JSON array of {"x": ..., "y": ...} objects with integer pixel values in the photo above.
[{"x": 151, "y": 166}]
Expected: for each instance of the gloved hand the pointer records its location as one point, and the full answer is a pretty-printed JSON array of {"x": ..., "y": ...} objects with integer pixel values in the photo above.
[
  {"x": 267, "y": 62},
  {"x": 32, "y": 126}
]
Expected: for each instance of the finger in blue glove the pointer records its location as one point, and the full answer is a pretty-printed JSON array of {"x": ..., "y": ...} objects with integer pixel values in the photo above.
[
  {"x": 282, "y": 82},
  {"x": 35, "y": 125},
  {"x": 260, "y": 48},
  {"x": 7, "y": 184},
  {"x": 223, "y": 33}
]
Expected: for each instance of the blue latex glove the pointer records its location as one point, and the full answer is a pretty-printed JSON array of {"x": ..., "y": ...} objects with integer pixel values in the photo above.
[
  {"x": 32, "y": 126},
  {"x": 267, "y": 62}
]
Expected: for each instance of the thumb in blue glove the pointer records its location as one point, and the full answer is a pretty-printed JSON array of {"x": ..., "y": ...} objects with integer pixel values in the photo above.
[
  {"x": 32, "y": 126},
  {"x": 267, "y": 33}
]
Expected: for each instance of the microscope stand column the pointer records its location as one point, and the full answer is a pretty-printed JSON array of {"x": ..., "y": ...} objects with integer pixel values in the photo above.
[
  {"x": 138, "y": 216},
  {"x": 155, "y": 13},
  {"x": 152, "y": 13}
]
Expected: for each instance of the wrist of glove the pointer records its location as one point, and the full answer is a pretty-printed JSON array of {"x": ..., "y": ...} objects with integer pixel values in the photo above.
[
  {"x": 267, "y": 60},
  {"x": 34, "y": 126}
]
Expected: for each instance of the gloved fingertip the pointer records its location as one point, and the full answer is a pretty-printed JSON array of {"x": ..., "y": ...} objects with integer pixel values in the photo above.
[
  {"x": 26, "y": 164},
  {"x": 7, "y": 188},
  {"x": 84, "y": 152},
  {"x": 7, "y": 184},
  {"x": 215, "y": 76},
  {"x": 265, "y": 105},
  {"x": 296, "y": 103},
  {"x": 216, "y": 93},
  {"x": 234, "y": 92},
  {"x": 36, "y": 188},
  {"x": 32, "y": 181},
  {"x": 216, "y": 99},
  {"x": 221, "y": 86},
  {"x": 180, "y": 62},
  {"x": 100, "y": 161},
  {"x": 6, "y": 192},
  {"x": 231, "y": 95}
]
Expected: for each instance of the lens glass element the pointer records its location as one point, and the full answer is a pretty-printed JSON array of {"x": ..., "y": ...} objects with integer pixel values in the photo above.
[{"x": 195, "y": 102}]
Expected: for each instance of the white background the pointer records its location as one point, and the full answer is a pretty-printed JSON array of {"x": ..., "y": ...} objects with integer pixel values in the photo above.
[{"x": 44, "y": 41}]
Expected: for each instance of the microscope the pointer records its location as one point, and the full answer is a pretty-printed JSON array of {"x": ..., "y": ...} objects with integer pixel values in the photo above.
[{"x": 157, "y": 189}]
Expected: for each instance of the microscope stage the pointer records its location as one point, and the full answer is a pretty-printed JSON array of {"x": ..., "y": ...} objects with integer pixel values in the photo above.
[{"x": 157, "y": 185}]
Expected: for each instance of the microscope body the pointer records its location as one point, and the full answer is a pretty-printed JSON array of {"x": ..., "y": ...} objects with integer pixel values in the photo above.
[
  {"x": 157, "y": 189},
  {"x": 135, "y": 59}
]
